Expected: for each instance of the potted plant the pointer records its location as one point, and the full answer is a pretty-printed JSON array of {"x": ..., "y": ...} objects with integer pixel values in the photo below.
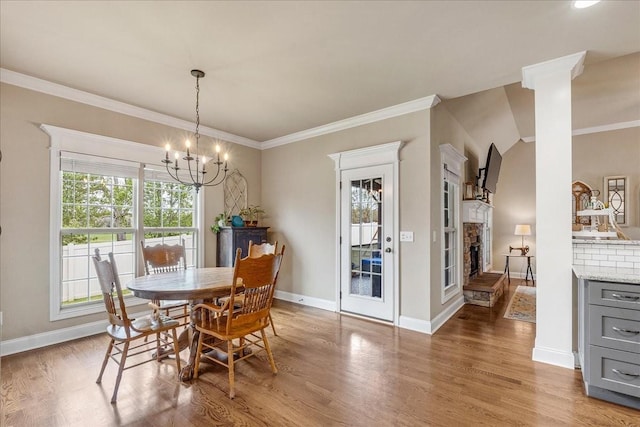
[
  {"x": 251, "y": 215},
  {"x": 220, "y": 221}
]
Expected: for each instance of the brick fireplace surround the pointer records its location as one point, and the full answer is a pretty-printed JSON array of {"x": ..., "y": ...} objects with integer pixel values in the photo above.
[
  {"x": 472, "y": 235},
  {"x": 482, "y": 288}
]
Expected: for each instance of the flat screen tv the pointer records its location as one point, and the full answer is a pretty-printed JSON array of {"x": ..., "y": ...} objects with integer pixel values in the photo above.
[{"x": 492, "y": 169}]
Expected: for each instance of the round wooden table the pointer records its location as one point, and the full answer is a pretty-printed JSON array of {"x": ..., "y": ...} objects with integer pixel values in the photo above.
[{"x": 193, "y": 284}]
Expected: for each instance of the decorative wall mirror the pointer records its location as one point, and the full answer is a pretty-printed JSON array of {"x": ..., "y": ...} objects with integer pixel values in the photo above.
[{"x": 615, "y": 193}]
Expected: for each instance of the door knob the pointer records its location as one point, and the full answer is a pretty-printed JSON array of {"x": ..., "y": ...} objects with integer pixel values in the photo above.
[{"x": 388, "y": 250}]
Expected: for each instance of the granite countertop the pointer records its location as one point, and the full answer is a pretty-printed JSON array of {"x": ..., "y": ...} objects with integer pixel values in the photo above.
[
  {"x": 608, "y": 274},
  {"x": 606, "y": 242}
]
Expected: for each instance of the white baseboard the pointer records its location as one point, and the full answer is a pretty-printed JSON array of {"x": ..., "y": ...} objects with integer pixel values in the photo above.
[
  {"x": 57, "y": 336},
  {"x": 564, "y": 359},
  {"x": 31, "y": 342},
  {"x": 430, "y": 327},
  {"x": 44, "y": 339},
  {"x": 306, "y": 300}
]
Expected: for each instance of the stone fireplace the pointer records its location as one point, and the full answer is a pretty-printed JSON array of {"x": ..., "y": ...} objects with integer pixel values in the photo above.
[
  {"x": 480, "y": 286},
  {"x": 472, "y": 251}
]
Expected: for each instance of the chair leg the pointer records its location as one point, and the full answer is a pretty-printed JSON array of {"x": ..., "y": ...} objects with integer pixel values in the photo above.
[
  {"x": 158, "y": 347},
  {"x": 176, "y": 349},
  {"x": 196, "y": 367},
  {"x": 269, "y": 354},
  {"x": 106, "y": 359},
  {"x": 123, "y": 360},
  {"x": 273, "y": 327},
  {"x": 232, "y": 392}
]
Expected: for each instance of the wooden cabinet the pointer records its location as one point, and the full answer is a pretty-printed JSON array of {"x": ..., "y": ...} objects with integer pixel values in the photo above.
[
  {"x": 232, "y": 238},
  {"x": 609, "y": 340}
]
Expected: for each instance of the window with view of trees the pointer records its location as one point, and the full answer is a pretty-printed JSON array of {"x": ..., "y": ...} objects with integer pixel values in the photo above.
[
  {"x": 101, "y": 201},
  {"x": 169, "y": 215},
  {"x": 97, "y": 212}
]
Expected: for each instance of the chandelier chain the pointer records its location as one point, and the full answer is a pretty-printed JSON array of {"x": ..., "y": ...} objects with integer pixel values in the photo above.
[{"x": 197, "y": 113}]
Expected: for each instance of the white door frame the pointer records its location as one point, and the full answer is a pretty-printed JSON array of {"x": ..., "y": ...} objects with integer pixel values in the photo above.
[{"x": 359, "y": 158}]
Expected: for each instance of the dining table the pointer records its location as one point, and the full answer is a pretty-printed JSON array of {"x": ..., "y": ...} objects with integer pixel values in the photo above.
[{"x": 192, "y": 284}]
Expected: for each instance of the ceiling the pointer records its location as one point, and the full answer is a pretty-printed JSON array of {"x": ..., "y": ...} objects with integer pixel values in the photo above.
[{"x": 275, "y": 68}]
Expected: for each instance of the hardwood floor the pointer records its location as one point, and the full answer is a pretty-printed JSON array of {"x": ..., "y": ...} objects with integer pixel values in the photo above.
[{"x": 333, "y": 370}]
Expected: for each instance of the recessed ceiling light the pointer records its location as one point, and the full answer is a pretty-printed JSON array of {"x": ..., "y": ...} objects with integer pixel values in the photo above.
[{"x": 581, "y": 4}]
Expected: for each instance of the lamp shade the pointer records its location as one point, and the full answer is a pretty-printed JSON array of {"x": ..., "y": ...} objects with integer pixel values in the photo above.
[{"x": 522, "y": 230}]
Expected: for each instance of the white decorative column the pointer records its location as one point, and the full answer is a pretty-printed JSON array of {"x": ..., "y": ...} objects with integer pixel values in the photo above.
[{"x": 551, "y": 82}]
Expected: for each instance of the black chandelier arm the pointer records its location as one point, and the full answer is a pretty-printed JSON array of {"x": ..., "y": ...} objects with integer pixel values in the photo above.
[
  {"x": 175, "y": 175},
  {"x": 195, "y": 180},
  {"x": 210, "y": 182}
]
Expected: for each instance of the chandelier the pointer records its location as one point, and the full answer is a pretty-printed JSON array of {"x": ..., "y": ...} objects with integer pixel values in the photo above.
[{"x": 196, "y": 164}]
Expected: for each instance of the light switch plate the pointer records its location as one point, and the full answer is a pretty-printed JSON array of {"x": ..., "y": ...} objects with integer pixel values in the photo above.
[{"x": 406, "y": 236}]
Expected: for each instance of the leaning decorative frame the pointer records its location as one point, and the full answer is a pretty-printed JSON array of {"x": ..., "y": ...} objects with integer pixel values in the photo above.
[
  {"x": 615, "y": 193},
  {"x": 580, "y": 196},
  {"x": 235, "y": 193}
]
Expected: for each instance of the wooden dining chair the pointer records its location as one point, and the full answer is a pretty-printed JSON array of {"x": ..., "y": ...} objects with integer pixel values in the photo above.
[
  {"x": 164, "y": 258},
  {"x": 256, "y": 251},
  {"x": 246, "y": 325},
  {"x": 128, "y": 336}
]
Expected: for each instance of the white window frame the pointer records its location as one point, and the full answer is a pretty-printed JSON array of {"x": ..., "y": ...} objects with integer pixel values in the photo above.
[
  {"x": 62, "y": 139},
  {"x": 451, "y": 162}
]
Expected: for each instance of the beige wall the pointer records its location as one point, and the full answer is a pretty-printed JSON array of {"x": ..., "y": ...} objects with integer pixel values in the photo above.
[
  {"x": 445, "y": 129},
  {"x": 611, "y": 153},
  {"x": 594, "y": 157},
  {"x": 515, "y": 203},
  {"x": 299, "y": 193},
  {"x": 24, "y": 195}
]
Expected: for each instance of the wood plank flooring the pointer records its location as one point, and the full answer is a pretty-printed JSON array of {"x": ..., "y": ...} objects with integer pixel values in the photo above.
[{"x": 333, "y": 370}]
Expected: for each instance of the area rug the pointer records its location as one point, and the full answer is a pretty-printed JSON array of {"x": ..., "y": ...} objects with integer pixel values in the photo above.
[{"x": 522, "y": 305}]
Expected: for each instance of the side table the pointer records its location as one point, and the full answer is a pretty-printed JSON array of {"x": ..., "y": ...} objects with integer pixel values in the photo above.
[{"x": 529, "y": 269}]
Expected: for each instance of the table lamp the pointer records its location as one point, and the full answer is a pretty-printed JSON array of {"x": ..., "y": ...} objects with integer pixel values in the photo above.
[{"x": 522, "y": 230}]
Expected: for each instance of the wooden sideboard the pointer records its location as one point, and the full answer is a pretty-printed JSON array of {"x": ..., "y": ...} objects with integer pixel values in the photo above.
[{"x": 231, "y": 238}]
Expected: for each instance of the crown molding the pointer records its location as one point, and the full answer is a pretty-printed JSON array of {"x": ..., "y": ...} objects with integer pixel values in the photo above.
[
  {"x": 49, "y": 88},
  {"x": 596, "y": 129},
  {"x": 363, "y": 119},
  {"x": 573, "y": 63}
]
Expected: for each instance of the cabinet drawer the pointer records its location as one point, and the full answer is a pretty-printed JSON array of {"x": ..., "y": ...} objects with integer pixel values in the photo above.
[
  {"x": 614, "y": 294},
  {"x": 614, "y": 327},
  {"x": 615, "y": 370}
]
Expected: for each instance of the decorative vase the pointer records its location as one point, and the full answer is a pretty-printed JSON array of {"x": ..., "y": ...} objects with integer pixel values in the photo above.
[{"x": 237, "y": 221}]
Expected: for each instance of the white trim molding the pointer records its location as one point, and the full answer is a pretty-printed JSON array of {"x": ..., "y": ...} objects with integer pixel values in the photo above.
[
  {"x": 554, "y": 357},
  {"x": 364, "y": 157},
  {"x": 322, "y": 304},
  {"x": 596, "y": 129},
  {"x": 363, "y": 119},
  {"x": 54, "y": 89},
  {"x": 430, "y": 327},
  {"x": 572, "y": 63}
]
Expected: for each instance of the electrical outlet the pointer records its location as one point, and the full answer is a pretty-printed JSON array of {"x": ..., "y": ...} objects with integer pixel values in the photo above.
[{"x": 406, "y": 236}]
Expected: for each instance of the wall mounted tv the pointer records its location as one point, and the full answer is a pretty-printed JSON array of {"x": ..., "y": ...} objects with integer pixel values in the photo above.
[{"x": 492, "y": 169}]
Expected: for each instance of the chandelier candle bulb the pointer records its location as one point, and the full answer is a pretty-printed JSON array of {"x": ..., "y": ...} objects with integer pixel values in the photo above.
[
  {"x": 204, "y": 162},
  {"x": 188, "y": 144}
]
